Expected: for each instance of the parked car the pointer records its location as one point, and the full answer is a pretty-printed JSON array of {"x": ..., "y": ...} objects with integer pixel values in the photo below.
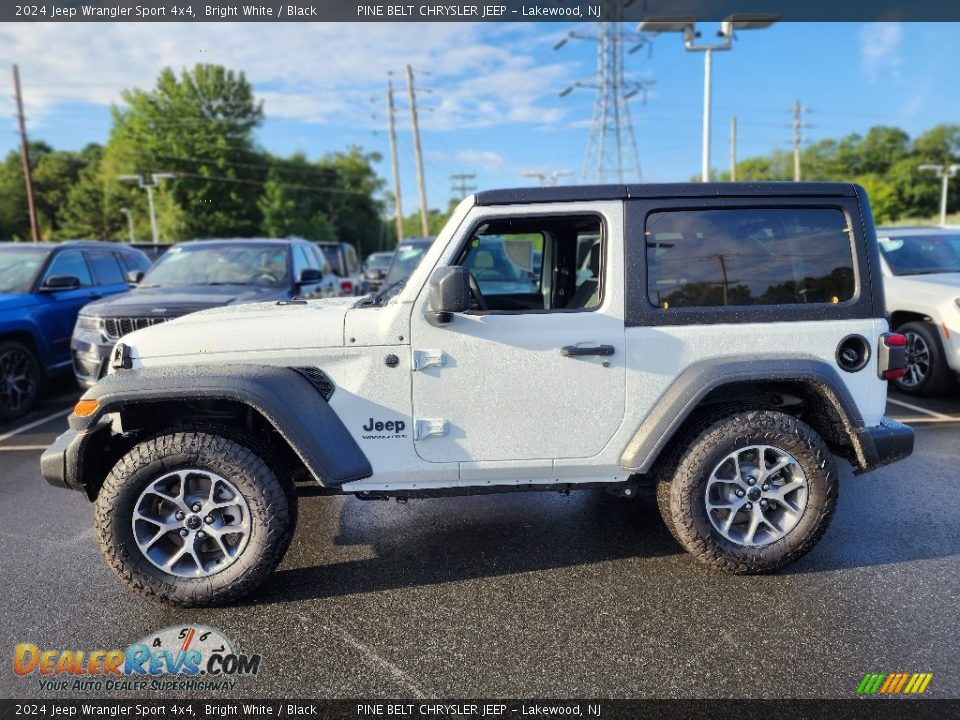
[
  {"x": 42, "y": 287},
  {"x": 195, "y": 276},
  {"x": 727, "y": 387},
  {"x": 375, "y": 269},
  {"x": 921, "y": 274},
  {"x": 346, "y": 266},
  {"x": 405, "y": 260}
]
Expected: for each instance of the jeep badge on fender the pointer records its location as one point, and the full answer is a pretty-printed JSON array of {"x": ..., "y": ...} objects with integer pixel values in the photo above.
[{"x": 721, "y": 343}]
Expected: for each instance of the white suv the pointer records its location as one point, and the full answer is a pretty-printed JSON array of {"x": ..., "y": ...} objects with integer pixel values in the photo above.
[
  {"x": 921, "y": 275},
  {"x": 726, "y": 342}
]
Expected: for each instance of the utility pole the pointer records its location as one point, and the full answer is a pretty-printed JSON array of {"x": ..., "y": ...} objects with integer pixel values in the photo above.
[
  {"x": 149, "y": 186},
  {"x": 421, "y": 183},
  {"x": 25, "y": 154},
  {"x": 728, "y": 28},
  {"x": 126, "y": 211},
  {"x": 733, "y": 148},
  {"x": 398, "y": 202},
  {"x": 944, "y": 172},
  {"x": 798, "y": 125},
  {"x": 611, "y": 153},
  {"x": 461, "y": 184}
]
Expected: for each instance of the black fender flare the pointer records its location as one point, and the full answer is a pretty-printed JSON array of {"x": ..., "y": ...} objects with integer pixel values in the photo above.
[
  {"x": 287, "y": 398},
  {"x": 700, "y": 378}
]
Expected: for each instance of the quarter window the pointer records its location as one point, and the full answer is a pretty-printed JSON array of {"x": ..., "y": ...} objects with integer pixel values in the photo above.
[{"x": 755, "y": 256}]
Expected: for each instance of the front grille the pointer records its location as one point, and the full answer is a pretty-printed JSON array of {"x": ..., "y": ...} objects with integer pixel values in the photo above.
[{"x": 117, "y": 327}]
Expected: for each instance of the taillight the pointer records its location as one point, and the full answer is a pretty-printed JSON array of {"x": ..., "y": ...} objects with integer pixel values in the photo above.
[
  {"x": 892, "y": 357},
  {"x": 346, "y": 286}
]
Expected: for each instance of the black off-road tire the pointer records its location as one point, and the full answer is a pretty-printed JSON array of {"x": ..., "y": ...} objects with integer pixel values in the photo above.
[
  {"x": 939, "y": 378},
  {"x": 681, "y": 489},
  {"x": 272, "y": 522}
]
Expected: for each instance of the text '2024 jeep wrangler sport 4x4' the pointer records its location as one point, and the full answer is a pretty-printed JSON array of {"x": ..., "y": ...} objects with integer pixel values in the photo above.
[{"x": 729, "y": 341}]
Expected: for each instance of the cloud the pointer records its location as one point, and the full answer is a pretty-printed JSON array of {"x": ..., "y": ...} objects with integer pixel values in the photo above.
[
  {"x": 315, "y": 73},
  {"x": 484, "y": 159},
  {"x": 880, "y": 49}
]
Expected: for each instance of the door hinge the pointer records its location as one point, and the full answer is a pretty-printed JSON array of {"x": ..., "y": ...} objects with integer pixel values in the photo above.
[
  {"x": 432, "y": 427},
  {"x": 428, "y": 358}
]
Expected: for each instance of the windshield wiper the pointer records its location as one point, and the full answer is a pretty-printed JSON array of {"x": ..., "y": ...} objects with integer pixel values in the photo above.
[{"x": 383, "y": 295}]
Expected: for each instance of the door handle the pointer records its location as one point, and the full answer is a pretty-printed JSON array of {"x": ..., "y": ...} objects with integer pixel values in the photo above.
[{"x": 575, "y": 351}]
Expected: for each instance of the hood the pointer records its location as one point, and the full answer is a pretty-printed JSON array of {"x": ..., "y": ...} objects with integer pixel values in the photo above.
[
  {"x": 259, "y": 327},
  {"x": 174, "y": 301},
  {"x": 945, "y": 281},
  {"x": 15, "y": 301}
]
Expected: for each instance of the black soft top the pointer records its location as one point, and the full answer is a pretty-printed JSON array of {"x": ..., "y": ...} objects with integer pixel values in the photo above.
[{"x": 574, "y": 193}]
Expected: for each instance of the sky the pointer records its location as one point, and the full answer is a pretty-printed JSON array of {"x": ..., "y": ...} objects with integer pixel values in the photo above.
[{"x": 490, "y": 97}]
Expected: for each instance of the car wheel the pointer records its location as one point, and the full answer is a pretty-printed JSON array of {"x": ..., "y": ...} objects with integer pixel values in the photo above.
[
  {"x": 751, "y": 492},
  {"x": 926, "y": 371},
  {"x": 192, "y": 518},
  {"x": 19, "y": 380}
]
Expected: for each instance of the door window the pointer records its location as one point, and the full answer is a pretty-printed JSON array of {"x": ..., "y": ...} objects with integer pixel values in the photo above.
[
  {"x": 105, "y": 267},
  {"x": 70, "y": 262},
  {"x": 547, "y": 263}
]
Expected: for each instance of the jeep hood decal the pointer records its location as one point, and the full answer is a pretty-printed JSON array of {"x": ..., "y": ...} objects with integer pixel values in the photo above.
[{"x": 241, "y": 328}]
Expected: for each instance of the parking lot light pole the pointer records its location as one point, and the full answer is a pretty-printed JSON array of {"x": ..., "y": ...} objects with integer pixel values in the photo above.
[
  {"x": 944, "y": 172},
  {"x": 126, "y": 211},
  {"x": 155, "y": 179},
  {"x": 728, "y": 28}
]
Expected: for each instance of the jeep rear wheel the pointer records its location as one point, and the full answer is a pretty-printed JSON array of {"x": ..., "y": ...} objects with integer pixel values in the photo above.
[
  {"x": 751, "y": 493},
  {"x": 192, "y": 518}
]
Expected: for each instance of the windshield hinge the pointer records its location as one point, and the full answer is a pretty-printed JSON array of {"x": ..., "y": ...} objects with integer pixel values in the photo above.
[{"x": 428, "y": 358}]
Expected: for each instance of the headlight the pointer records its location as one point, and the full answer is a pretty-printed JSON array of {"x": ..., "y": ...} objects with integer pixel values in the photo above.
[{"x": 85, "y": 322}]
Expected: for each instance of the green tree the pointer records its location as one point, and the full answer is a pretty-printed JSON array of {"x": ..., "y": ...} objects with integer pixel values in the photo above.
[
  {"x": 285, "y": 214},
  {"x": 200, "y": 126}
]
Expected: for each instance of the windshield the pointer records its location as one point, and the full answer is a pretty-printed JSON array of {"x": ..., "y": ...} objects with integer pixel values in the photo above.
[
  {"x": 19, "y": 267},
  {"x": 405, "y": 261},
  {"x": 246, "y": 264},
  {"x": 922, "y": 254},
  {"x": 379, "y": 261}
]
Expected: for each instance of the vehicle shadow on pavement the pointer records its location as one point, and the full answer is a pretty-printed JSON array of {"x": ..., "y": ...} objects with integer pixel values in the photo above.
[{"x": 429, "y": 542}]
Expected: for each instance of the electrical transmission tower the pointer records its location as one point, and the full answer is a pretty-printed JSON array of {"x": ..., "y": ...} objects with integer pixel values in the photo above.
[{"x": 611, "y": 154}]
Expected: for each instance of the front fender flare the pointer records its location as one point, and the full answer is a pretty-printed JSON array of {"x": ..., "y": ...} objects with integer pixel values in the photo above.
[{"x": 290, "y": 402}]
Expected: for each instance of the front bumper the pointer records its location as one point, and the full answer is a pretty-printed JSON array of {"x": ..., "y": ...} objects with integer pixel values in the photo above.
[
  {"x": 884, "y": 443},
  {"x": 60, "y": 463}
]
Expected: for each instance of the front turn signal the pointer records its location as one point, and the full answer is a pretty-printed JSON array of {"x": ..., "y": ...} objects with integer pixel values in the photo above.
[{"x": 85, "y": 408}]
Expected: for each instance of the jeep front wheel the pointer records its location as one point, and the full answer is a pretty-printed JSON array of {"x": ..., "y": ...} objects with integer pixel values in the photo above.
[
  {"x": 192, "y": 518},
  {"x": 751, "y": 493}
]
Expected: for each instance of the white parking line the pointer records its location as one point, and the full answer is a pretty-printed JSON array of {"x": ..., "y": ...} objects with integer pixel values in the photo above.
[
  {"x": 915, "y": 420},
  {"x": 31, "y": 425},
  {"x": 917, "y": 408},
  {"x": 21, "y": 448}
]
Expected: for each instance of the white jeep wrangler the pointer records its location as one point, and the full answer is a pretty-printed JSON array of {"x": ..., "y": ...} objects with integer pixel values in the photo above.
[{"x": 729, "y": 341}]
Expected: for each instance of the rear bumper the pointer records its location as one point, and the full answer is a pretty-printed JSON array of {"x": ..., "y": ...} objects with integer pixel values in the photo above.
[{"x": 884, "y": 443}]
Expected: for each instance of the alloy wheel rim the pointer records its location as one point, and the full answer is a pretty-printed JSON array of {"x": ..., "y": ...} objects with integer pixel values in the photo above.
[
  {"x": 918, "y": 361},
  {"x": 18, "y": 382},
  {"x": 756, "y": 495},
  {"x": 191, "y": 523}
]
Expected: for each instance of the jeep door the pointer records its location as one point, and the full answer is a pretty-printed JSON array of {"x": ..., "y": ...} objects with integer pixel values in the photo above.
[{"x": 539, "y": 374}]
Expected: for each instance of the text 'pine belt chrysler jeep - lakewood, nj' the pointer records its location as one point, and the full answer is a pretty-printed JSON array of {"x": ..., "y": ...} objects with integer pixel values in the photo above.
[{"x": 726, "y": 343}]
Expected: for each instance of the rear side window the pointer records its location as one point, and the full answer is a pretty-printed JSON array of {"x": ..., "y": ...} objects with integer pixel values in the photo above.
[
  {"x": 105, "y": 267},
  {"x": 755, "y": 256}
]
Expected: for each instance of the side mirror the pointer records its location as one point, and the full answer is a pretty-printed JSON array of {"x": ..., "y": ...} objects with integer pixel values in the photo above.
[
  {"x": 135, "y": 276},
  {"x": 310, "y": 275},
  {"x": 61, "y": 282},
  {"x": 449, "y": 293}
]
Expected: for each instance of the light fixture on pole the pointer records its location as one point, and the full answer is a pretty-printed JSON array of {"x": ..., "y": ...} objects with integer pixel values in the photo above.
[
  {"x": 155, "y": 179},
  {"x": 944, "y": 172},
  {"x": 126, "y": 211},
  {"x": 728, "y": 28}
]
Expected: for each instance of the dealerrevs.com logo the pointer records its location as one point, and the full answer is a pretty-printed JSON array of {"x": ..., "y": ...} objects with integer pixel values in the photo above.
[
  {"x": 894, "y": 683},
  {"x": 176, "y": 658}
]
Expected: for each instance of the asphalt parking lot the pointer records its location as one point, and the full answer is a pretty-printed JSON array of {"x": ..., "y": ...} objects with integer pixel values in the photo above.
[{"x": 527, "y": 595}]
